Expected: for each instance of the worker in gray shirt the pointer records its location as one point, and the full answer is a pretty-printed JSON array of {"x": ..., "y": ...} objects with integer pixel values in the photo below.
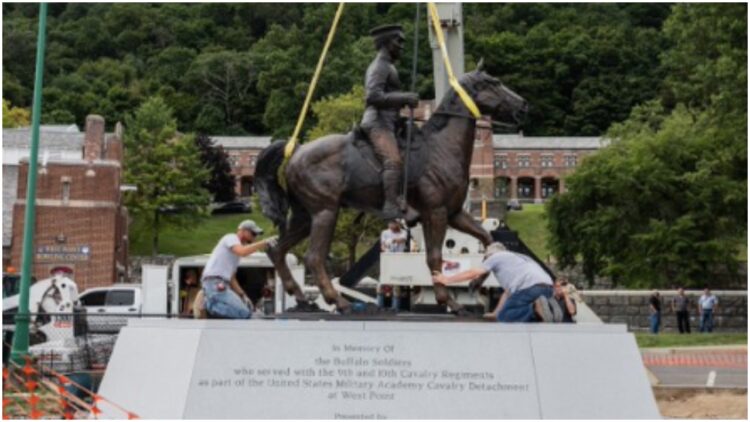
[
  {"x": 526, "y": 286},
  {"x": 707, "y": 305},
  {"x": 224, "y": 297}
]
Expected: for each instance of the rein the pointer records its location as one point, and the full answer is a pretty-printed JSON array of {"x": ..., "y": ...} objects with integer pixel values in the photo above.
[{"x": 469, "y": 116}]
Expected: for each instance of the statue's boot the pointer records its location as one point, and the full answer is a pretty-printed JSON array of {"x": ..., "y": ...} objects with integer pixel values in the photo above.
[{"x": 391, "y": 208}]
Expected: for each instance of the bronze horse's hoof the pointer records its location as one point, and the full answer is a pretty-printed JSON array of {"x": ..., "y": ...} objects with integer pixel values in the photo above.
[{"x": 463, "y": 313}]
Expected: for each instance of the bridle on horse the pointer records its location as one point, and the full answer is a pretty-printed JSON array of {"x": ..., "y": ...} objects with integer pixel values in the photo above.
[{"x": 470, "y": 117}]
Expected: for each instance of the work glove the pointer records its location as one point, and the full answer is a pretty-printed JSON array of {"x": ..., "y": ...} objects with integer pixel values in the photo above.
[{"x": 271, "y": 242}]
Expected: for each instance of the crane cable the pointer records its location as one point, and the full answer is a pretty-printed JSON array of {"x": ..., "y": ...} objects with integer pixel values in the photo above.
[
  {"x": 289, "y": 148},
  {"x": 468, "y": 102}
]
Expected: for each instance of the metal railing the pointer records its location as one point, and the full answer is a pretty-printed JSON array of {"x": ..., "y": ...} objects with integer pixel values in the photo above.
[{"x": 71, "y": 342}]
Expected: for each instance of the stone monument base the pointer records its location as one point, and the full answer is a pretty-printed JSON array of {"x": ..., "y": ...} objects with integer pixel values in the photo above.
[{"x": 291, "y": 369}]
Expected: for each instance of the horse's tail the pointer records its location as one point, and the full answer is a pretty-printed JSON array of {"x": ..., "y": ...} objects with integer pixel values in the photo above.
[{"x": 274, "y": 200}]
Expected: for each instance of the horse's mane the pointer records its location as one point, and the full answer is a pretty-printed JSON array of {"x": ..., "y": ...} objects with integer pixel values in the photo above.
[{"x": 451, "y": 102}]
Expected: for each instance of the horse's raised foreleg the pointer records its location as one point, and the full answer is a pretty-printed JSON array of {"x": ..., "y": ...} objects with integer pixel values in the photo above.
[
  {"x": 299, "y": 228},
  {"x": 435, "y": 224},
  {"x": 321, "y": 235},
  {"x": 464, "y": 222}
]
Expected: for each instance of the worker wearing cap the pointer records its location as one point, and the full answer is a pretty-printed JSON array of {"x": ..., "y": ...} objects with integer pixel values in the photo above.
[
  {"x": 526, "y": 286},
  {"x": 383, "y": 101},
  {"x": 224, "y": 298}
]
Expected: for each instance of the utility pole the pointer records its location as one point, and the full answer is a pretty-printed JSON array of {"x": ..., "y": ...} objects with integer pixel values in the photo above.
[
  {"x": 21, "y": 336},
  {"x": 451, "y": 20}
]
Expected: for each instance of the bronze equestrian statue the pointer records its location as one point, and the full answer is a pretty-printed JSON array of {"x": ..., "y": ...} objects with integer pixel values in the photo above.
[
  {"x": 383, "y": 102},
  {"x": 338, "y": 171}
]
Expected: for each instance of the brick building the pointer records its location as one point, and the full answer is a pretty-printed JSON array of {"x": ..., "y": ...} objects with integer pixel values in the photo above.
[
  {"x": 81, "y": 222},
  {"x": 55, "y": 142},
  {"x": 504, "y": 166},
  {"x": 531, "y": 169},
  {"x": 242, "y": 151}
]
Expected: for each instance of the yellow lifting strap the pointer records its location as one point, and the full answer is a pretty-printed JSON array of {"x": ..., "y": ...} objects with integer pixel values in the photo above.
[
  {"x": 468, "y": 102},
  {"x": 289, "y": 149}
]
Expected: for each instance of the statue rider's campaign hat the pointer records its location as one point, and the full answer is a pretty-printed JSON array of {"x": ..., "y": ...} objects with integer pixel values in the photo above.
[{"x": 387, "y": 31}]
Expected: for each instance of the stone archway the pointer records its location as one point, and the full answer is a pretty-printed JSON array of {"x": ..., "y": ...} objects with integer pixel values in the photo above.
[
  {"x": 502, "y": 187},
  {"x": 246, "y": 186},
  {"x": 526, "y": 191},
  {"x": 550, "y": 187}
]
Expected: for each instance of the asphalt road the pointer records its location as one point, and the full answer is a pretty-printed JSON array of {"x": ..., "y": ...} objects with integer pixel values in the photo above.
[{"x": 685, "y": 376}]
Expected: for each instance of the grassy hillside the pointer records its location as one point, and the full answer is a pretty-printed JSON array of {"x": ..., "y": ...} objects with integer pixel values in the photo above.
[
  {"x": 531, "y": 227},
  {"x": 202, "y": 237},
  {"x": 199, "y": 239}
]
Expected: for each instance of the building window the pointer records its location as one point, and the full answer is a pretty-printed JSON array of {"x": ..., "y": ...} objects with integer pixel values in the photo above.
[
  {"x": 501, "y": 187},
  {"x": 547, "y": 161},
  {"x": 65, "y": 190},
  {"x": 501, "y": 161},
  {"x": 570, "y": 161},
  {"x": 524, "y": 161},
  {"x": 253, "y": 160}
]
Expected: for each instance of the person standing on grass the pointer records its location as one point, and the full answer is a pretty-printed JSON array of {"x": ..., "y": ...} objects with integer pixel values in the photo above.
[
  {"x": 654, "y": 304},
  {"x": 707, "y": 305},
  {"x": 681, "y": 307}
]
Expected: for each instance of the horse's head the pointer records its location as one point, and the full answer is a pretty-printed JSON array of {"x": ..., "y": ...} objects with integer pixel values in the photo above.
[{"x": 493, "y": 98}]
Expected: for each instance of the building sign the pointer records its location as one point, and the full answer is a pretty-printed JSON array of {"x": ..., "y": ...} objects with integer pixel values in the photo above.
[{"x": 63, "y": 253}]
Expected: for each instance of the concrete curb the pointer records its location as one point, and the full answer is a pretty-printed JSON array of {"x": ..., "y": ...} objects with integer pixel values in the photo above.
[{"x": 689, "y": 349}]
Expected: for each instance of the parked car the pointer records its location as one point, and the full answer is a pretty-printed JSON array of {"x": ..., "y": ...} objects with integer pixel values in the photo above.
[
  {"x": 108, "y": 308},
  {"x": 234, "y": 207},
  {"x": 515, "y": 205}
]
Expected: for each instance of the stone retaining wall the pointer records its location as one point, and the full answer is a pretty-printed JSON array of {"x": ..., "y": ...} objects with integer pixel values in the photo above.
[{"x": 631, "y": 307}]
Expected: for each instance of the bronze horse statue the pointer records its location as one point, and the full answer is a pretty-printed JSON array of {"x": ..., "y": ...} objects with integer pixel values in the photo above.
[{"x": 332, "y": 172}]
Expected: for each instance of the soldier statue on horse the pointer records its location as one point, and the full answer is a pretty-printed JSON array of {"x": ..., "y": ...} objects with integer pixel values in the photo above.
[{"x": 362, "y": 170}]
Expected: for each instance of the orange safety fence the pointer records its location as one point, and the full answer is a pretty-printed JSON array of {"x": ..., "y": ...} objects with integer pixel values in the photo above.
[{"x": 32, "y": 392}]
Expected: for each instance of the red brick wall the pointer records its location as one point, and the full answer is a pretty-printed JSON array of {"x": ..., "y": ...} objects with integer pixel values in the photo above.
[
  {"x": 94, "y": 138},
  {"x": 92, "y": 217},
  {"x": 92, "y": 227},
  {"x": 103, "y": 185},
  {"x": 243, "y": 165}
]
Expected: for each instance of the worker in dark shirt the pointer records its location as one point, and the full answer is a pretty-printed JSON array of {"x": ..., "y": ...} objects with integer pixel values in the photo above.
[
  {"x": 563, "y": 306},
  {"x": 654, "y": 304}
]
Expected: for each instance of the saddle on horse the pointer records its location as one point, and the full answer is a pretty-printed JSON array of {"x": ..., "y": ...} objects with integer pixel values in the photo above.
[{"x": 364, "y": 168}]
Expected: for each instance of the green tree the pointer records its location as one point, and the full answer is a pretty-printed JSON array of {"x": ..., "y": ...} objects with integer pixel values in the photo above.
[
  {"x": 707, "y": 66},
  {"x": 165, "y": 166},
  {"x": 15, "y": 116},
  {"x": 338, "y": 114},
  {"x": 667, "y": 201},
  {"x": 224, "y": 81},
  {"x": 581, "y": 67},
  {"x": 220, "y": 183}
]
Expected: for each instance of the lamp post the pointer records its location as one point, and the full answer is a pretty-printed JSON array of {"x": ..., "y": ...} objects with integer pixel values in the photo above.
[{"x": 21, "y": 336}]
